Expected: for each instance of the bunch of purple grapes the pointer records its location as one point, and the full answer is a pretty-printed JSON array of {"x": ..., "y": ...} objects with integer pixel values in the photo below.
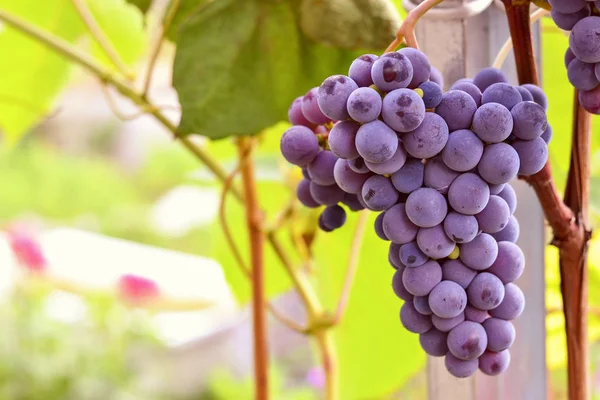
[
  {"x": 437, "y": 166},
  {"x": 582, "y": 58}
]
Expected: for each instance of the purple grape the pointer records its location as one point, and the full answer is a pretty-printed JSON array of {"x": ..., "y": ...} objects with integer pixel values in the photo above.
[
  {"x": 376, "y": 142},
  {"x": 438, "y": 176},
  {"x": 460, "y": 227},
  {"x": 434, "y": 242},
  {"x": 378, "y": 193},
  {"x": 538, "y": 94},
  {"x": 321, "y": 168},
  {"x": 428, "y": 139},
  {"x": 494, "y": 217},
  {"x": 419, "y": 281},
  {"x": 448, "y": 299},
  {"x": 434, "y": 343},
  {"x": 488, "y": 76},
  {"x": 360, "y": 70},
  {"x": 475, "y": 314},
  {"x": 411, "y": 255},
  {"x": 460, "y": 368},
  {"x": 582, "y": 75},
  {"x": 492, "y": 364},
  {"x": 394, "y": 255},
  {"x": 547, "y": 135},
  {"x": 583, "y": 40},
  {"x": 295, "y": 115},
  {"x": 420, "y": 66},
  {"x": 398, "y": 287},
  {"x": 397, "y": 227},
  {"x": 364, "y": 104},
  {"x": 421, "y": 304},
  {"x": 348, "y": 180},
  {"x": 390, "y": 166},
  {"x": 333, "y": 96},
  {"x": 392, "y": 71},
  {"x": 533, "y": 155},
  {"x": 499, "y": 164},
  {"x": 467, "y": 341},
  {"x": 299, "y": 145},
  {"x": 597, "y": 71},
  {"x": 456, "y": 271},
  {"x": 525, "y": 94},
  {"x": 326, "y": 195},
  {"x": 509, "y": 195},
  {"x": 567, "y": 6},
  {"x": 322, "y": 226},
  {"x": 512, "y": 305},
  {"x": 353, "y": 201},
  {"x": 310, "y": 108},
  {"x": 426, "y": 207},
  {"x": 305, "y": 174},
  {"x": 457, "y": 108},
  {"x": 495, "y": 189},
  {"x": 486, "y": 291},
  {"x": 501, "y": 93},
  {"x": 569, "y": 56},
  {"x": 590, "y": 100},
  {"x": 509, "y": 264},
  {"x": 529, "y": 120},
  {"x": 342, "y": 139},
  {"x": 493, "y": 122},
  {"x": 468, "y": 194},
  {"x": 379, "y": 227},
  {"x": 567, "y": 21},
  {"x": 480, "y": 253},
  {"x": 403, "y": 110},
  {"x": 358, "y": 165},
  {"x": 436, "y": 76},
  {"x": 447, "y": 324},
  {"x": 470, "y": 88},
  {"x": 432, "y": 94},
  {"x": 333, "y": 217},
  {"x": 412, "y": 320},
  {"x": 303, "y": 194},
  {"x": 500, "y": 333},
  {"x": 510, "y": 233},
  {"x": 463, "y": 150},
  {"x": 409, "y": 177}
]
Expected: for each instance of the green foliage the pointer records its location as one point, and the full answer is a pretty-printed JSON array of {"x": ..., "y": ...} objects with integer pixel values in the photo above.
[
  {"x": 350, "y": 24},
  {"x": 143, "y": 5},
  {"x": 38, "y": 74},
  {"x": 44, "y": 358},
  {"x": 240, "y": 64}
]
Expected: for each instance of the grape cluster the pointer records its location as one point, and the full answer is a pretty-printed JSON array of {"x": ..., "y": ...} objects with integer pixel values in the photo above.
[
  {"x": 437, "y": 167},
  {"x": 582, "y": 58}
]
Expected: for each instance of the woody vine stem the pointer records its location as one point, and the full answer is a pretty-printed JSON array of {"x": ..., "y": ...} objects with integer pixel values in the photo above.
[{"x": 567, "y": 218}]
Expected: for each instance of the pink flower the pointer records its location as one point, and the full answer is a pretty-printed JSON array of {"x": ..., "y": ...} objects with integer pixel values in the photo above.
[
  {"x": 27, "y": 250},
  {"x": 315, "y": 377},
  {"x": 136, "y": 289}
]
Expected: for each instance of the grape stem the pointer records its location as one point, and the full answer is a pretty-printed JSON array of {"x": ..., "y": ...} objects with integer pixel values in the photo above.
[
  {"x": 568, "y": 218},
  {"x": 328, "y": 351},
  {"x": 406, "y": 32},
  {"x": 254, "y": 218},
  {"x": 359, "y": 234},
  {"x": 103, "y": 41}
]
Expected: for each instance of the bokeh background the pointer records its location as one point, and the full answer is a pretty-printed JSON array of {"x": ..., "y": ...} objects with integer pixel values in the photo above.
[{"x": 79, "y": 177}]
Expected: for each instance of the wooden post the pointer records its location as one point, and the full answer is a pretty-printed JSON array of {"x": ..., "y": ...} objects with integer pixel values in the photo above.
[{"x": 459, "y": 48}]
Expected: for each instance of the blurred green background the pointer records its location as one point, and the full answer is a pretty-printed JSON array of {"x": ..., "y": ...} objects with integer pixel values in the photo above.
[{"x": 90, "y": 186}]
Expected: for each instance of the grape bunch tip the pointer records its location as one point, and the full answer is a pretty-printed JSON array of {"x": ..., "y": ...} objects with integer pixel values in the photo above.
[{"x": 437, "y": 167}]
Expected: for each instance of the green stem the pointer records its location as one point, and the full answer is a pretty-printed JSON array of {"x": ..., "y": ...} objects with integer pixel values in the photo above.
[{"x": 328, "y": 350}]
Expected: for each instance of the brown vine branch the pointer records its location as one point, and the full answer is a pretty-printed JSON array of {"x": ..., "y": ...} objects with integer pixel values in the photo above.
[
  {"x": 103, "y": 41},
  {"x": 254, "y": 217},
  {"x": 171, "y": 10},
  {"x": 407, "y": 28},
  {"x": 359, "y": 234},
  {"x": 568, "y": 219},
  {"x": 237, "y": 255}
]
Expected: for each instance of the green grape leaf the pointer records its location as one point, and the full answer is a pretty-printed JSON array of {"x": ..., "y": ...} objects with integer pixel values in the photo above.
[
  {"x": 239, "y": 65},
  {"x": 33, "y": 74},
  {"x": 350, "y": 24},
  {"x": 142, "y": 5}
]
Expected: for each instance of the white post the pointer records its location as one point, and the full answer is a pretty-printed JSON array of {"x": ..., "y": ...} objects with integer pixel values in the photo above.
[{"x": 459, "y": 46}]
